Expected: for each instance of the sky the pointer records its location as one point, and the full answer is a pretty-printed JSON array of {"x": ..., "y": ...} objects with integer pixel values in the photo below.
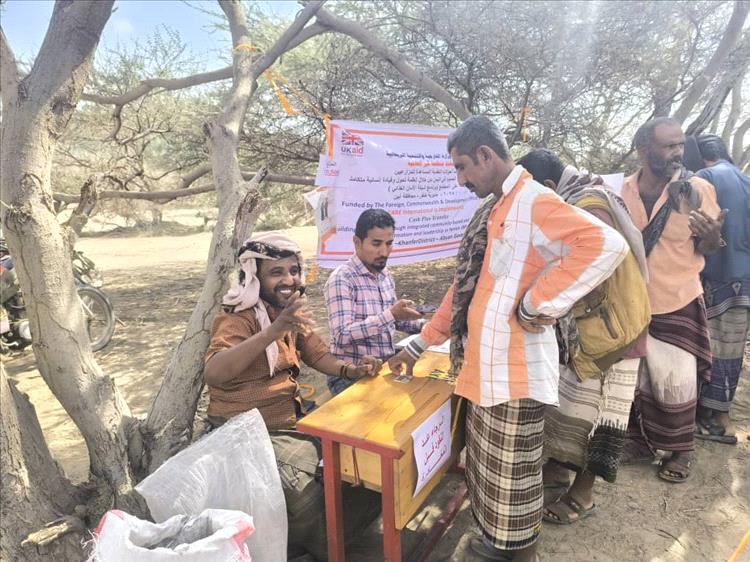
[{"x": 25, "y": 22}]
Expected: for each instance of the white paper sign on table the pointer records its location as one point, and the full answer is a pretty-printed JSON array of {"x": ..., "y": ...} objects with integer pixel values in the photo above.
[{"x": 432, "y": 444}]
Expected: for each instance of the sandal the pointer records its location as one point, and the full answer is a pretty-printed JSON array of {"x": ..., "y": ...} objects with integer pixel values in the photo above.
[
  {"x": 560, "y": 517},
  {"x": 708, "y": 430},
  {"x": 674, "y": 471}
]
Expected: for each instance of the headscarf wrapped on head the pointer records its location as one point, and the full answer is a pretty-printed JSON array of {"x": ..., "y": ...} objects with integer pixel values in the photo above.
[{"x": 245, "y": 295}]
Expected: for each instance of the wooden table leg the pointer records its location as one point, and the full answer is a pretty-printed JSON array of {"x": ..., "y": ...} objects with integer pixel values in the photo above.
[
  {"x": 334, "y": 504},
  {"x": 391, "y": 535}
]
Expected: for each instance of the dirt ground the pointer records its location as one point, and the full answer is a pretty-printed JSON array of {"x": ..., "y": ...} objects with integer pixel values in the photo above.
[{"x": 153, "y": 284}]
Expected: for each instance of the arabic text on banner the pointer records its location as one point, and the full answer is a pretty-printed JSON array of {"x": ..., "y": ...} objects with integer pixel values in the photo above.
[{"x": 404, "y": 169}]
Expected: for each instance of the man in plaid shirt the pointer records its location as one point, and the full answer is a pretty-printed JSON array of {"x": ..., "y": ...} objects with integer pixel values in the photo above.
[{"x": 363, "y": 312}]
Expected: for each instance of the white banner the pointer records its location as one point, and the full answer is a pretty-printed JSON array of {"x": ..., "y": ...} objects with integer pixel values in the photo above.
[{"x": 404, "y": 169}]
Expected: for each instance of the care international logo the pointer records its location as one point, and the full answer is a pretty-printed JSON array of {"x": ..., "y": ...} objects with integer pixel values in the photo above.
[{"x": 351, "y": 144}]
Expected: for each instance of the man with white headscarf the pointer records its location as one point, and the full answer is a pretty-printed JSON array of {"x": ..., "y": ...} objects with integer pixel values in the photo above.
[{"x": 252, "y": 362}]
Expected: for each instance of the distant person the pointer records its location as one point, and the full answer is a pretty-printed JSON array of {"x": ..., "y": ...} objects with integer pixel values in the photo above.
[
  {"x": 680, "y": 222},
  {"x": 252, "y": 361},
  {"x": 587, "y": 432},
  {"x": 726, "y": 283},
  {"x": 363, "y": 309},
  {"x": 526, "y": 257}
]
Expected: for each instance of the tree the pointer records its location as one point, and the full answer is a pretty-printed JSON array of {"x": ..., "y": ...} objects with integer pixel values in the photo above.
[{"x": 36, "y": 111}]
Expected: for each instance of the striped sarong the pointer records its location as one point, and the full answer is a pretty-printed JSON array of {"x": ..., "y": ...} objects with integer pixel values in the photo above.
[
  {"x": 504, "y": 471},
  {"x": 687, "y": 328},
  {"x": 587, "y": 431},
  {"x": 666, "y": 396},
  {"x": 729, "y": 333}
]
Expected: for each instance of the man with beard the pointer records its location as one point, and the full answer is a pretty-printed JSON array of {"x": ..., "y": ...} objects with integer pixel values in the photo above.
[
  {"x": 680, "y": 222},
  {"x": 363, "y": 311},
  {"x": 252, "y": 362},
  {"x": 526, "y": 257}
]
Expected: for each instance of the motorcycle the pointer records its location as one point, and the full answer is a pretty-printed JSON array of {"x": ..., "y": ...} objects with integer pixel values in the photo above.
[{"x": 15, "y": 333}]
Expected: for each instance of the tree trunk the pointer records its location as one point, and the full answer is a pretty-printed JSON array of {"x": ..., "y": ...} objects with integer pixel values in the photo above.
[
  {"x": 34, "y": 488},
  {"x": 35, "y": 114}
]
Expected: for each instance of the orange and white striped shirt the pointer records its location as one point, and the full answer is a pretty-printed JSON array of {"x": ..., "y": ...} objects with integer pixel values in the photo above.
[{"x": 546, "y": 252}]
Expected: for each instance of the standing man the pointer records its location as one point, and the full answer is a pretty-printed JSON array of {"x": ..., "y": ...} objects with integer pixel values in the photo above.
[
  {"x": 525, "y": 259},
  {"x": 363, "y": 312},
  {"x": 680, "y": 222},
  {"x": 726, "y": 283}
]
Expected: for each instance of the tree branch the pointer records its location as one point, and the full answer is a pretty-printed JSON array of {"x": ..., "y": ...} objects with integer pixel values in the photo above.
[
  {"x": 373, "y": 43},
  {"x": 166, "y": 84},
  {"x": 727, "y": 43},
  {"x": 171, "y": 84},
  {"x": 170, "y": 195},
  {"x": 736, "y": 64},
  {"x": 9, "y": 78},
  {"x": 164, "y": 196},
  {"x": 61, "y": 57}
]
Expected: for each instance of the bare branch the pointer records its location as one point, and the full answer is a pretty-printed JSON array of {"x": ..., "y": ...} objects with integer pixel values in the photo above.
[
  {"x": 728, "y": 41},
  {"x": 161, "y": 196},
  {"x": 188, "y": 179},
  {"x": 165, "y": 84},
  {"x": 376, "y": 45},
  {"x": 9, "y": 78}
]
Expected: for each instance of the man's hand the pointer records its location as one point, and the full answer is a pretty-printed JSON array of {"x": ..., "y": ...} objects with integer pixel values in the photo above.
[
  {"x": 536, "y": 325},
  {"x": 404, "y": 310},
  {"x": 397, "y": 362},
  {"x": 707, "y": 230},
  {"x": 369, "y": 367},
  {"x": 293, "y": 318}
]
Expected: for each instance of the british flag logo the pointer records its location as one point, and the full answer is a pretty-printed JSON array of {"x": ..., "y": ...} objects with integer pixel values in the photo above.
[{"x": 351, "y": 144}]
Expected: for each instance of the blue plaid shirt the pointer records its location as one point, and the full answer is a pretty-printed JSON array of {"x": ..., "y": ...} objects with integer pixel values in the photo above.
[{"x": 359, "y": 318}]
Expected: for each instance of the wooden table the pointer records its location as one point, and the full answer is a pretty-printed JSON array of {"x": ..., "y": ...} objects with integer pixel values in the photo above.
[{"x": 366, "y": 434}]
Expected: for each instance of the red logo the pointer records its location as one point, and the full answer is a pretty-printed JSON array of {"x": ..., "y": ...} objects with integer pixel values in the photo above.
[{"x": 351, "y": 144}]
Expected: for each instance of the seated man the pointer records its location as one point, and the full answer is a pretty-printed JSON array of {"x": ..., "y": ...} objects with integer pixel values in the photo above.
[
  {"x": 252, "y": 362},
  {"x": 363, "y": 312}
]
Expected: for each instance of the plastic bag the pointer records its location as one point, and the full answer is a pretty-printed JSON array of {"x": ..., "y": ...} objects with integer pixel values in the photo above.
[
  {"x": 216, "y": 534},
  {"x": 233, "y": 467}
]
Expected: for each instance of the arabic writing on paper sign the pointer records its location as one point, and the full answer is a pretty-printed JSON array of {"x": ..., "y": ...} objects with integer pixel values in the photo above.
[{"x": 432, "y": 444}]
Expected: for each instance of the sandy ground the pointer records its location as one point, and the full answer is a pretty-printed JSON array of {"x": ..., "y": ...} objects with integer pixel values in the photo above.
[{"x": 153, "y": 284}]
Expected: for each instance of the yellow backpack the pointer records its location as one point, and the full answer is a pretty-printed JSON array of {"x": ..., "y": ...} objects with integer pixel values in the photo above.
[{"x": 611, "y": 317}]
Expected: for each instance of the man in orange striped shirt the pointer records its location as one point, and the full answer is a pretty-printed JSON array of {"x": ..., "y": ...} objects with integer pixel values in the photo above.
[{"x": 525, "y": 259}]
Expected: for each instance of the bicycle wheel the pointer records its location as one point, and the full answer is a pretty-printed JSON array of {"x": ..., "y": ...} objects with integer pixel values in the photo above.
[{"x": 100, "y": 318}]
